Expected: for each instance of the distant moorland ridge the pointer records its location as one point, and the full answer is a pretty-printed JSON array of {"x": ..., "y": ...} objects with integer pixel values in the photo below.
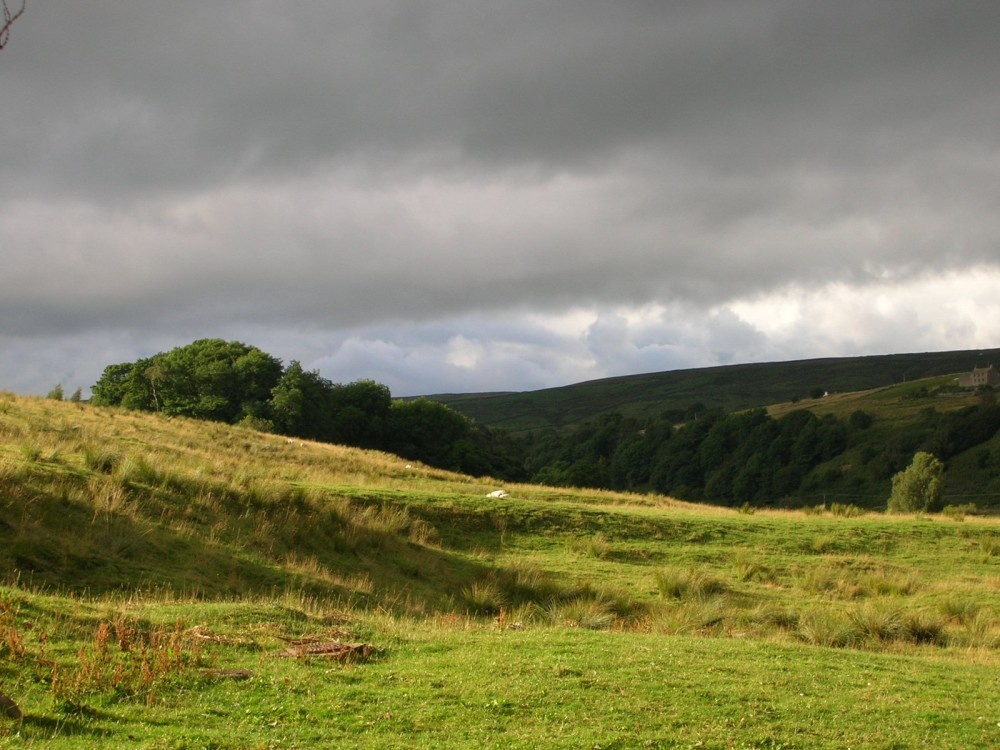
[{"x": 727, "y": 387}]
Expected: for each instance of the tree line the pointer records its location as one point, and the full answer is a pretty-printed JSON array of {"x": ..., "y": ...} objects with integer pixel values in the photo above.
[
  {"x": 752, "y": 457},
  {"x": 228, "y": 381}
]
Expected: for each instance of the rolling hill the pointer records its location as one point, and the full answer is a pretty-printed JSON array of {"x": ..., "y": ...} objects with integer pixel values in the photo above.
[{"x": 729, "y": 388}]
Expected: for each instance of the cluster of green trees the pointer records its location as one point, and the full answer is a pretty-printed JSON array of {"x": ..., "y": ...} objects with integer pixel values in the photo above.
[
  {"x": 228, "y": 381},
  {"x": 724, "y": 458},
  {"x": 751, "y": 457}
]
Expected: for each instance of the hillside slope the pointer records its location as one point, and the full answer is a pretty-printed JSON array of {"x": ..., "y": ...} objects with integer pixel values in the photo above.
[
  {"x": 156, "y": 576},
  {"x": 729, "y": 388}
]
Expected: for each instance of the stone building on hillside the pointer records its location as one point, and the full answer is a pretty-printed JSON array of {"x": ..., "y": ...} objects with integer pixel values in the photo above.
[{"x": 979, "y": 377}]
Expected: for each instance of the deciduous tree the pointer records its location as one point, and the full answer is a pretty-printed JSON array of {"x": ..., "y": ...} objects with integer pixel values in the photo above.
[{"x": 918, "y": 488}]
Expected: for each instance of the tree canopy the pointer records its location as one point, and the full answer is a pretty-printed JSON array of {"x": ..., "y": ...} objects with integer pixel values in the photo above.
[{"x": 228, "y": 381}]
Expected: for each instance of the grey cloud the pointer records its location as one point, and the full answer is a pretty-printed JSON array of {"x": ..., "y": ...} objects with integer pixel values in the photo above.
[{"x": 340, "y": 174}]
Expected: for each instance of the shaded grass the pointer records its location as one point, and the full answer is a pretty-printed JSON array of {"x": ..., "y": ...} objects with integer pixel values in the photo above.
[{"x": 459, "y": 682}]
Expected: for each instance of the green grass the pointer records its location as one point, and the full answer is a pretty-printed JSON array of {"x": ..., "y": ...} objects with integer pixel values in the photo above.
[
  {"x": 454, "y": 682},
  {"x": 143, "y": 557}
]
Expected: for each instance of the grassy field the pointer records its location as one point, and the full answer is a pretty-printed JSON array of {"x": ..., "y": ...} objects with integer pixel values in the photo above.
[{"x": 175, "y": 584}]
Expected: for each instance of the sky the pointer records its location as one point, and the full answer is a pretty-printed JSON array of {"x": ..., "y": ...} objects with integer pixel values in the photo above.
[{"x": 466, "y": 196}]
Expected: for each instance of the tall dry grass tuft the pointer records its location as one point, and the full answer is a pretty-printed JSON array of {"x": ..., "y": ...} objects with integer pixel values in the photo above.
[
  {"x": 826, "y": 627},
  {"x": 701, "y": 617},
  {"x": 878, "y": 622},
  {"x": 596, "y": 546},
  {"x": 125, "y": 661},
  {"x": 591, "y": 613},
  {"x": 687, "y": 583},
  {"x": 484, "y": 597},
  {"x": 11, "y": 639}
]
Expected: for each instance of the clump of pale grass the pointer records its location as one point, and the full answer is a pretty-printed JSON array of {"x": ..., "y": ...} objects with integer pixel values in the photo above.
[
  {"x": 830, "y": 580},
  {"x": 30, "y": 451},
  {"x": 980, "y": 631},
  {"x": 878, "y": 622},
  {"x": 960, "y": 609},
  {"x": 484, "y": 597},
  {"x": 674, "y": 583},
  {"x": 768, "y": 616},
  {"x": 826, "y": 627},
  {"x": 923, "y": 626},
  {"x": 704, "y": 617},
  {"x": 136, "y": 470},
  {"x": 424, "y": 534},
  {"x": 885, "y": 582},
  {"x": 822, "y": 544},
  {"x": 103, "y": 460},
  {"x": 990, "y": 547},
  {"x": 596, "y": 546},
  {"x": 583, "y": 612},
  {"x": 748, "y": 568}
]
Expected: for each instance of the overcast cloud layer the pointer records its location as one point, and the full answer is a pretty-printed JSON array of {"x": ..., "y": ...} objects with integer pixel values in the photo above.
[{"x": 460, "y": 195}]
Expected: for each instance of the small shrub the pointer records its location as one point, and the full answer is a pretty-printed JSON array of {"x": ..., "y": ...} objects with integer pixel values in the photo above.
[
  {"x": 747, "y": 509},
  {"x": 918, "y": 488},
  {"x": 257, "y": 424},
  {"x": 860, "y": 420}
]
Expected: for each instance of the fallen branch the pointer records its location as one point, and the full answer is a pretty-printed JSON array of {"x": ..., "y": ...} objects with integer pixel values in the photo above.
[{"x": 331, "y": 650}]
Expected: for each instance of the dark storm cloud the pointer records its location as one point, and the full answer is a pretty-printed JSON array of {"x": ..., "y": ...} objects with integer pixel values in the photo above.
[{"x": 184, "y": 168}]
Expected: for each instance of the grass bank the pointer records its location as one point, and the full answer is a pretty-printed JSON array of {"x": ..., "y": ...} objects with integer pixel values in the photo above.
[{"x": 170, "y": 584}]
